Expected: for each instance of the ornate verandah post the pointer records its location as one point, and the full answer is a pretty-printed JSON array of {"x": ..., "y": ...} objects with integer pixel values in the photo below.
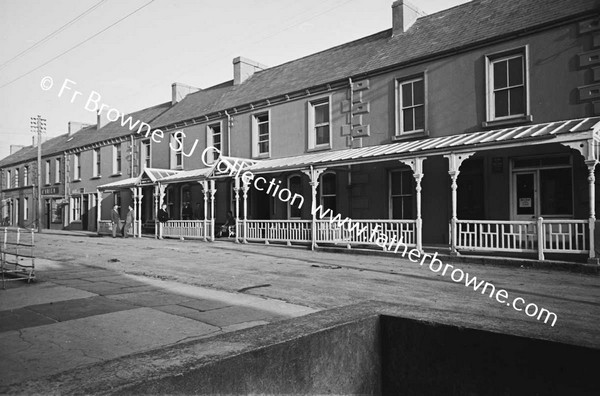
[
  {"x": 416, "y": 164},
  {"x": 589, "y": 149},
  {"x": 205, "y": 192},
  {"x": 455, "y": 160},
  {"x": 245, "y": 189},
  {"x": 159, "y": 197},
  {"x": 236, "y": 190},
  {"x": 139, "y": 213},
  {"x": 98, "y": 210},
  {"x": 313, "y": 175},
  {"x": 134, "y": 193}
]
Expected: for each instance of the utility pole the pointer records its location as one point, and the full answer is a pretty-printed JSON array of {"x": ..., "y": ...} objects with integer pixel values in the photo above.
[{"x": 38, "y": 125}]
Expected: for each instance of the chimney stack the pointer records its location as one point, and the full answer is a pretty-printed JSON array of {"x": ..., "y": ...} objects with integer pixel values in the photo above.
[
  {"x": 404, "y": 15},
  {"x": 101, "y": 120},
  {"x": 180, "y": 91},
  {"x": 244, "y": 68},
  {"x": 76, "y": 127},
  {"x": 15, "y": 147}
]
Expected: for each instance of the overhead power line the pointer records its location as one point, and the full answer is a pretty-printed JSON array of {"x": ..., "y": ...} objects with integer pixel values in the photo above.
[
  {"x": 78, "y": 45},
  {"x": 54, "y": 33}
]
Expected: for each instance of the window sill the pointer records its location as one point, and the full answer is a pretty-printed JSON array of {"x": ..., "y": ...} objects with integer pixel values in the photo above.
[
  {"x": 95, "y": 177},
  {"x": 262, "y": 156},
  {"x": 508, "y": 121},
  {"x": 75, "y": 181},
  {"x": 410, "y": 136},
  {"x": 319, "y": 148},
  {"x": 56, "y": 183},
  {"x": 116, "y": 174}
]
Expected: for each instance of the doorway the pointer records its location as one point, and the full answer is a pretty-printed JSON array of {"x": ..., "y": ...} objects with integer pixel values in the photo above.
[
  {"x": 525, "y": 196},
  {"x": 84, "y": 212}
]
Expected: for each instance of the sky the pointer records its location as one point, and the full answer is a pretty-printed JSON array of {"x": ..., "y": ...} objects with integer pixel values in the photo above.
[{"x": 131, "y": 64}]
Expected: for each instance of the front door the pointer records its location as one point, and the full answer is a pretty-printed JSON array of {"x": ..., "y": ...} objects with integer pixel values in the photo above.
[
  {"x": 84, "y": 212},
  {"x": 525, "y": 196}
]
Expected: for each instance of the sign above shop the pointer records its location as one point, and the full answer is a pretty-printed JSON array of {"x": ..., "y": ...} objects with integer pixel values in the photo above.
[{"x": 50, "y": 191}]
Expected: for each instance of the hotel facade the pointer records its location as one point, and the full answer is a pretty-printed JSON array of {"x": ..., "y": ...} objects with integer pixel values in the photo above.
[{"x": 475, "y": 128}]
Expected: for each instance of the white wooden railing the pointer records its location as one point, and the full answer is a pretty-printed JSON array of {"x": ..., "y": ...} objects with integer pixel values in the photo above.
[
  {"x": 570, "y": 236},
  {"x": 287, "y": 231},
  {"x": 186, "y": 229},
  {"x": 366, "y": 232},
  {"x": 556, "y": 236},
  {"x": 357, "y": 232}
]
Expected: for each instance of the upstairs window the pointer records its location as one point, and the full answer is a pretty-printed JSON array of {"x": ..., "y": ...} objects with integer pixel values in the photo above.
[
  {"x": 176, "y": 149},
  {"x": 8, "y": 179},
  {"x": 57, "y": 170},
  {"x": 319, "y": 126},
  {"x": 145, "y": 159},
  {"x": 26, "y": 176},
  {"x": 117, "y": 159},
  {"x": 411, "y": 106},
  {"x": 261, "y": 135},
  {"x": 213, "y": 138},
  {"x": 77, "y": 166},
  {"x": 507, "y": 95},
  {"x": 48, "y": 172},
  {"x": 16, "y": 177},
  {"x": 97, "y": 162}
]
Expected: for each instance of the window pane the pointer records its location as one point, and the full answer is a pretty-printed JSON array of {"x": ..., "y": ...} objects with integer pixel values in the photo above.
[
  {"x": 407, "y": 120},
  {"x": 322, "y": 134},
  {"x": 407, "y": 182},
  {"x": 556, "y": 194},
  {"x": 263, "y": 147},
  {"x": 295, "y": 188},
  {"x": 501, "y": 103},
  {"x": 407, "y": 95},
  {"x": 397, "y": 208},
  {"x": 262, "y": 118},
  {"x": 420, "y": 117},
  {"x": 328, "y": 184},
  {"x": 321, "y": 113},
  {"x": 500, "y": 74},
  {"x": 419, "y": 91},
  {"x": 407, "y": 205},
  {"x": 515, "y": 71},
  {"x": 517, "y": 102},
  {"x": 329, "y": 203},
  {"x": 525, "y": 194},
  {"x": 396, "y": 183},
  {"x": 263, "y": 130}
]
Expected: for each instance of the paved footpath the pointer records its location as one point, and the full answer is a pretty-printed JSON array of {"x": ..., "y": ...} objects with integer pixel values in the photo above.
[
  {"x": 75, "y": 315},
  {"x": 98, "y": 299}
]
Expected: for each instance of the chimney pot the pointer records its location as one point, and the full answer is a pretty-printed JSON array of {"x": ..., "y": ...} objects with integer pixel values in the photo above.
[
  {"x": 15, "y": 147},
  {"x": 180, "y": 91},
  {"x": 101, "y": 120},
  {"x": 244, "y": 68},
  {"x": 75, "y": 126},
  {"x": 404, "y": 15}
]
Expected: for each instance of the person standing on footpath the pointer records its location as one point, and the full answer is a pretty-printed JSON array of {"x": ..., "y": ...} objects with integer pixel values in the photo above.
[
  {"x": 128, "y": 221},
  {"x": 115, "y": 219},
  {"x": 163, "y": 217}
]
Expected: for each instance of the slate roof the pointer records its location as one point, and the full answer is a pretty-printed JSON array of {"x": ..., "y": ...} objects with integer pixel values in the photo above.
[
  {"x": 114, "y": 129},
  {"x": 51, "y": 146},
  {"x": 86, "y": 136},
  {"x": 443, "y": 32}
]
